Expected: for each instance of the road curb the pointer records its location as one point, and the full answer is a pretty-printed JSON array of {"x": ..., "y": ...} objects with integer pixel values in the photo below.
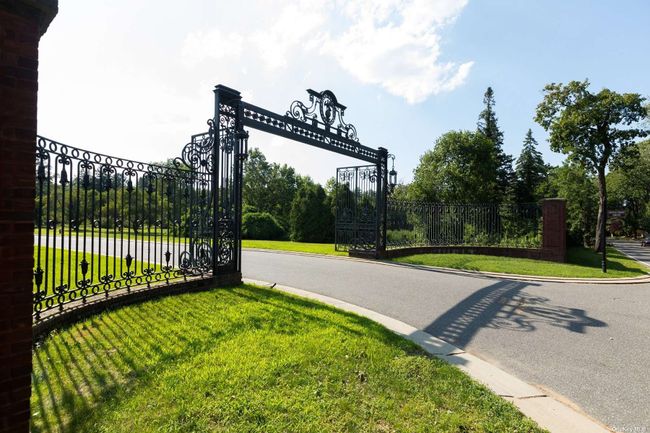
[
  {"x": 462, "y": 272},
  {"x": 549, "y": 413}
]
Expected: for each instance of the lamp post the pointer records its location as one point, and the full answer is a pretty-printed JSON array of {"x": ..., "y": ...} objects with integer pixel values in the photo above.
[
  {"x": 392, "y": 174},
  {"x": 603, "y": 238}
]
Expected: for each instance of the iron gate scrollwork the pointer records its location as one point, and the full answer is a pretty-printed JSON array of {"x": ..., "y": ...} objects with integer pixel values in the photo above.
[
  {"x": 105, "y": 223},
  {"x": 357, "y": 208}
]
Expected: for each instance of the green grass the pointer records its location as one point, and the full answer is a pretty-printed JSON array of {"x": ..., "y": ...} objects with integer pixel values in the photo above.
[
  {"x": 304, "y": 247},
  {"x": 250, "y": 360},
  {"x": 581, "y": 263},
  {"x": 55, "y": 268}
]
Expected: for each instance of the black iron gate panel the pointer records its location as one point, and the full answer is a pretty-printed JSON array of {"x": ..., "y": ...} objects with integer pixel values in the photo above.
[
  {"x": 357, "y": 208},
  {"x": 104, "y": 223}
]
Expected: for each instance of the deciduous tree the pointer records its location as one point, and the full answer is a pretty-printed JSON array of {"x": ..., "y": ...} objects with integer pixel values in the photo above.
[
  {"x": 591, "y": 128},
  {"x": 462, "y": 167}
]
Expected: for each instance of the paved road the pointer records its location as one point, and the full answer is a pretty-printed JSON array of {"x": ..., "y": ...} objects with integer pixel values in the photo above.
[
  {"x": 636, "y": 251},
  {"x": 588, "y": 343}
]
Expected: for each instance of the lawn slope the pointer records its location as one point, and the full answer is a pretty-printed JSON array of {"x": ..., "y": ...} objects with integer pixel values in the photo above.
[{"x": 251, "y": 360}]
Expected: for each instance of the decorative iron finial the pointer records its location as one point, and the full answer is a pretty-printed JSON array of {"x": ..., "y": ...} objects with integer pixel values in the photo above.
[{"x": 325, "y": 111}]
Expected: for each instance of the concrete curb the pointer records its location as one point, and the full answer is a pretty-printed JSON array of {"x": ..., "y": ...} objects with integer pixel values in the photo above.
[
  {"x": 476, "y": 274},
  {"x": 551, "y": 414}
]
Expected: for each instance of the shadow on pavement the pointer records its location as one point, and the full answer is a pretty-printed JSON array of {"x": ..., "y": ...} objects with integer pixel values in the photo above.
[{"x": 504, "y": 305}]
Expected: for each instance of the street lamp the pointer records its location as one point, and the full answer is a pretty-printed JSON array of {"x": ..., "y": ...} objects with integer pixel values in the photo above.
[
  {"x": 603, "y": 239},
  {"x": 242, "y": 140},
  {"x": 392, "y": 174}
]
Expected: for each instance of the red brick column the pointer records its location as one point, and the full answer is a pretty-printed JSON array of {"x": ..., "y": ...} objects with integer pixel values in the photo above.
[
  {"x": 22, "y": 22},
  {"x": 554, "y": 229}
]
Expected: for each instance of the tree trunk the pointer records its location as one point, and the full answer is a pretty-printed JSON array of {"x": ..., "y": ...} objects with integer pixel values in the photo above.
[{"x": 602, "y": 218}]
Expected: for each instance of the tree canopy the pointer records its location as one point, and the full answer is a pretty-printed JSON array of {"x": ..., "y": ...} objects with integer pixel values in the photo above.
[
  {"x": 629, "y": 187},
  {"x": 591, "y": 128},
  {"x": 269, "y": 187},
  {"x": 462, "y": 167},
  {"x": 311, "y": 218}
]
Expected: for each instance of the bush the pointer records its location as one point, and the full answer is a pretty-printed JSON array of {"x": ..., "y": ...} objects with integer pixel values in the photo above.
[{"x": 261, "y": 225}]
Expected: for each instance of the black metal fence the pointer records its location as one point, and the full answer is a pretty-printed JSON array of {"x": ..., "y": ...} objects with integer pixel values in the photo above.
[
  {"x": 417, "y": 224},
  {"x": 104, "y": 223}
]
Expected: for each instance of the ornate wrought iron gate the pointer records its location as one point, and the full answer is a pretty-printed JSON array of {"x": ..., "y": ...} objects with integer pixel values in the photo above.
[
  {"x": 360, "y": 195},
  {"x": 105, "y": 223}
]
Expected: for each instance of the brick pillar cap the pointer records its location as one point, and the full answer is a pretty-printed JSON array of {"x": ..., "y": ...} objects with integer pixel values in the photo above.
[
  {"x": 554, "y": 199},
  {"x": 41, "y": 11}
]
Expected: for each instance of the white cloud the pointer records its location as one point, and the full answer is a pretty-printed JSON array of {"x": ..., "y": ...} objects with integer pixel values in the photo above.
[
  {"x": 213, "y": 44},
  {"x": 394, "y": 44},
  {"x": 397, "y": 45},
  {"x": 298, "y": 25}
]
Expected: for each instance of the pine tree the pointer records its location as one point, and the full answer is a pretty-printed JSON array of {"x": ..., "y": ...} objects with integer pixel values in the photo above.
[
  {"x": 488, "y": 126},
  {"x": 531, "y": 170}
]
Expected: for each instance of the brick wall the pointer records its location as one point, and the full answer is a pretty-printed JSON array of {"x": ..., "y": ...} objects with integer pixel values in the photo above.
[{"x": 22, "y": 23}]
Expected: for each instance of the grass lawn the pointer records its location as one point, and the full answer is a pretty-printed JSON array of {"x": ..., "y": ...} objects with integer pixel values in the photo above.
[
  {"x": 97, "y": 266},
  {"x": 581, "y": 263},
  {"x": 250, "y": 360},
  {"x": 303, "y": 247}
]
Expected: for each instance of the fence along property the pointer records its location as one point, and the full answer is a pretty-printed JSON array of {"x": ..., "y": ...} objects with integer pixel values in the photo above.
[
  {"x": 103, "y": 224},
  {"x": 417, "y": 224},
  {"x": 519, "y": 230}
]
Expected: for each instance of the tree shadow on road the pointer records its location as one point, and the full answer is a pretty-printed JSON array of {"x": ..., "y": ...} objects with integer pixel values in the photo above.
[{"x": 504, "y": 305}]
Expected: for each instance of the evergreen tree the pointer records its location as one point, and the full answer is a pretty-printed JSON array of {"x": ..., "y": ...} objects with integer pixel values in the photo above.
[
  {"x": 311, "y": 216},
  {"x": 488, "y": 126},
  {"x": 530, "y": 170}
]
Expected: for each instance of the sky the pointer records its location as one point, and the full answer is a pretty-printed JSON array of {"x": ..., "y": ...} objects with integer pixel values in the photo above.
[{"x": 134, "y": 78}]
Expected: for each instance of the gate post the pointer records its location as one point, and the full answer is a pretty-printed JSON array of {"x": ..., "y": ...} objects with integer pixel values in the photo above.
[
  {"x": 554, "y": 229},
  {"x": 22, "y": 23},
  {"x": 382, "y": 201},
  {"x": 227, "y": 115}
]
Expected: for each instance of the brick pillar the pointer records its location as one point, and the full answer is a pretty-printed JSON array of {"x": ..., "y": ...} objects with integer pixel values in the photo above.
[
  {"x": 22, "y": 22},
  {"x": 554, "y": 229}
]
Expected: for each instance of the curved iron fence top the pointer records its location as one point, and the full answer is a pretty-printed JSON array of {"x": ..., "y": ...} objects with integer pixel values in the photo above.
[{"x": 49, "y": 145}]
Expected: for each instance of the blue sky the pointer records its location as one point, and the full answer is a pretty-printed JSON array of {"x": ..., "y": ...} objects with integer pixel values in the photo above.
[{"x": 134, "y": 79}]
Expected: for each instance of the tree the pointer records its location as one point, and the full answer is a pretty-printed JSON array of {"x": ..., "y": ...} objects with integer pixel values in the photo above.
[
  {"x": 591, "y": 128},
  {"x": 530, "y": 171},
  {"x": 629, "y": 186},
  {"x": 311, "y": 216},
  {"x": 572, "y": 182},
  {"x": 488, "y": 126},
  {"x": 269, "y": 187},
  {"x": 462, "y": 167}
]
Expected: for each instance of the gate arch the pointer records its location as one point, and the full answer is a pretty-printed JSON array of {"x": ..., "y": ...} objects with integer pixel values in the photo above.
[{"x": 361, "y": 214}]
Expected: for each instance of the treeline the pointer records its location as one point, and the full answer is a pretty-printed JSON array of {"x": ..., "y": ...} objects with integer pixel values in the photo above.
[
  {"x": 606, "y": 165},
  {"x": 594, "y": 130},
  {"x": 281, "y": 204}
]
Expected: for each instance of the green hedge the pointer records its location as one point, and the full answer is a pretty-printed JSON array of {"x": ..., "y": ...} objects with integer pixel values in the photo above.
[{"x": 261, "y": 225}]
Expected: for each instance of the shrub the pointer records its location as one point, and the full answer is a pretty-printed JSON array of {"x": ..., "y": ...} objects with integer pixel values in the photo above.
[{"x": 261, "y": 225}]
